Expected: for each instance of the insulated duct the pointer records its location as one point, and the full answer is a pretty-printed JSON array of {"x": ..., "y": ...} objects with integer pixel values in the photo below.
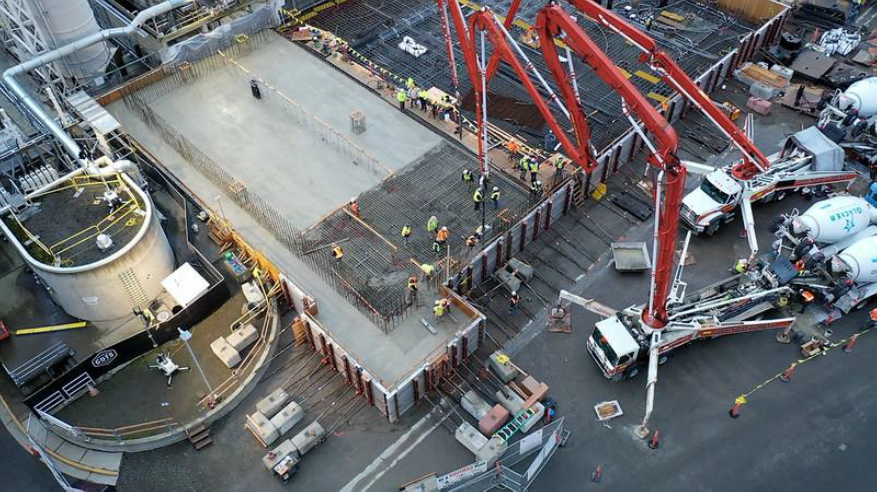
[{"x": 34, "y": 106}]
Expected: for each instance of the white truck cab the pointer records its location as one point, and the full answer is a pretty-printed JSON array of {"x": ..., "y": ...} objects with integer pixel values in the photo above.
[
  {"x": 613, "y": 347},
  {"x": 712, "y": 203}
]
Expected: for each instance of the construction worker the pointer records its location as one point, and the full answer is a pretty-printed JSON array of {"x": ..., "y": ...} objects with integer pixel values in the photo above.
[
  {"x": 514, "y": 300},
  {"x": 872, "y": 320},
  {"x": 483, "y": 181},
  {"x": 524, "y": 166},
  {"x": 536, "y": 189},
  {"x": 853, "y": 12},
  {"x": 427, "y": 270},
  {"x": 494, "y": 197},
  {"x": 805, "y": 297},
  {"x": 412, "y": 289},
  {"x": 337, "y": 253},
  {"x": 438, "y": 310},
  {"x": 354, "y": 207},
  {"x": 401, "y": 97},
  {"x": 409, "y": 84},
  {"x": 423, "y": 100},
  {"x": 467, "y": 176},
  {"x": 550, "y": 410},
  {"x": 558, "y": 171},
  {"x": 472, "y": 241},
  {"x": 477, "y": 197},
  {"x": 442, "y": 235},
  {"x": 254, "y": 88},
  {"x": 412, "y": 95},
  {"x": 406, "y": 233},
  {"x": 740, "y": 266},
  {"x": 514, "y": 149},
  {"x": 534, "y": 169},
  {"x": 446, "y": 304},
  {"x": 432, "y": 224}
]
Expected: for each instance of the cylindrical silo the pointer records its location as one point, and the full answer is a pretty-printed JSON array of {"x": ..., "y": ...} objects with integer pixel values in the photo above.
[
  {"x": 128, "y": 276},
  {"x": 66, "y": 21}
]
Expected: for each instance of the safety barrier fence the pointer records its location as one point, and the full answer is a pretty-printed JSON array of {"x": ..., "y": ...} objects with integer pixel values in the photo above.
[
  {"x": 477, "y": 477},
  {"x": 119, "y": 434}
]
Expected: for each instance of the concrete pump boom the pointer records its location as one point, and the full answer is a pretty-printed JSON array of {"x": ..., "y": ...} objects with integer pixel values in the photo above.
[
  {"x": 754, "y": 161},
  {"x": 553, "y": 24}
]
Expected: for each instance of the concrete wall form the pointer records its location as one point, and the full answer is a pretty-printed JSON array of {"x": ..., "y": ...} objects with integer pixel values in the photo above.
[
  {"x": 495, "y": 255},
  {"x": 405, "y": 395}
]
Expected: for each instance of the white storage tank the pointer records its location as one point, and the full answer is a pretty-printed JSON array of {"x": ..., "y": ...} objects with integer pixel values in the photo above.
[
  {"x": 831, "y": 220},
  {"x": 97, "y": 277},
  {"x": 65, "y": 21}
]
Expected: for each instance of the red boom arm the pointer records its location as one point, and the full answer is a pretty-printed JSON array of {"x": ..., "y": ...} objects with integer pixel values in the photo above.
[
  {"x": 754, "y": 160},
  {"x": 484, "y": 21},
  {"x": 551, "y": 24}
]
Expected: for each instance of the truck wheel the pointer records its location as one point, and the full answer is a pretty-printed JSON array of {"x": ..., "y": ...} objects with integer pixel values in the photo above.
[
  {"x": 663, "y": 358},
  {"x": 712, "y": 228},
  {"x": 631, "y": 373}
]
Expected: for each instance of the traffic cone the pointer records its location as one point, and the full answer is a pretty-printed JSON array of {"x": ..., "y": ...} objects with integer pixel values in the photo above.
[
  {"x": 735, "y": 410},
  {"x": 786, "y": 376},
  {"x": 852, "y": 343},
  {"x": 654, "y": 443},
  {"x": 597, "y": 475}
]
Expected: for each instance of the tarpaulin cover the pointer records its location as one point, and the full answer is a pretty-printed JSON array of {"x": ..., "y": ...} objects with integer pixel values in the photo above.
[
  {"x": 199, "y": 46},
  {"x": 827, "y": 155}
]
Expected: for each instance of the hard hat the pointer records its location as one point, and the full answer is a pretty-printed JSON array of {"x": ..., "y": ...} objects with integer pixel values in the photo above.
[
  {"x": 514, "y": 292},
  {"x": 496, "y": 188},
  {"x": 444, "y": 228},
  {"x": 539, "y": 182},
  {"x": 353, "y": 199}
]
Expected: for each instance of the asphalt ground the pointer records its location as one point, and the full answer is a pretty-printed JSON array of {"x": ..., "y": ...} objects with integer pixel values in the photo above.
[
  {"x": 21, "y": 470},
  {"x": 811, "y": 433}
]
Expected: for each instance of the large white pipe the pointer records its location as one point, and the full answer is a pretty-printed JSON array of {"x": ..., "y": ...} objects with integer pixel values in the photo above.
[
  {"x": 52, "y": 56},
  {"x": 67, "y": 21}
]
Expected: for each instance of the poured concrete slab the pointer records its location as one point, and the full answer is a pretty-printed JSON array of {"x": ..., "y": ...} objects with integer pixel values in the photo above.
[
  {"x": 300, "y": 176},
  {"x": 269, "y": 150}
]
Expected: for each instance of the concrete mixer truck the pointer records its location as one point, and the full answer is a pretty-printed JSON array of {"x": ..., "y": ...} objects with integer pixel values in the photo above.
[
  {"x": 851, "y": 113},
  {"x": 833, "y": 247}
]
